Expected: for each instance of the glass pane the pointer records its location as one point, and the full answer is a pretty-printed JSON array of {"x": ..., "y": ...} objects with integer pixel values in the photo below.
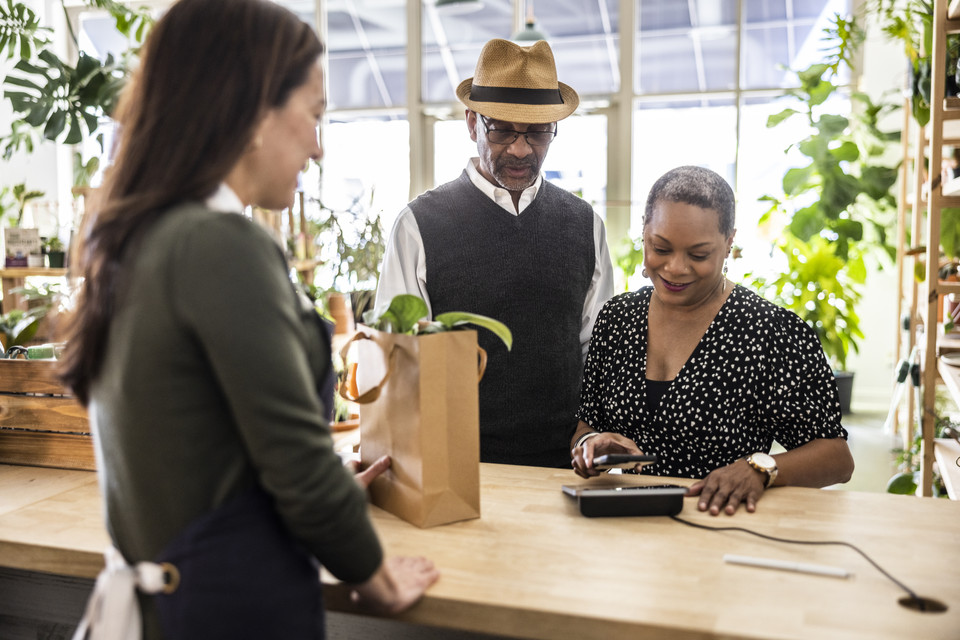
[
  {"x": 765, "y": 10},
  {"x": 444, "y": 70},
  {"x": 583, "y": 36},
  {"x": 578, "y": 158},
  {"x": 589, "y": 65},
  {"x": 366, "y": 41},
  {"x": 686, "y": 46},
  {"x": 666, "y": 64},
  {"x": 378, "y": 181},
  {"x": 452, "y": 43},
  {"x": 680, "y": 134},
  {"x": 765, "y": 53},
  {"x": 452, "y": 148},
  {"x": 816, "y": 8},
  {"x": 718, "y": 55}
]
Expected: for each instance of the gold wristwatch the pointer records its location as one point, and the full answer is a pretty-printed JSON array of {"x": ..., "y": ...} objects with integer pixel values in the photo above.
[{"x": 764, "y": 463}]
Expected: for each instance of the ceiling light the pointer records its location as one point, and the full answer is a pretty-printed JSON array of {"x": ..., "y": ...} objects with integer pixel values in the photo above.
[{"x": 529, "y": 33}]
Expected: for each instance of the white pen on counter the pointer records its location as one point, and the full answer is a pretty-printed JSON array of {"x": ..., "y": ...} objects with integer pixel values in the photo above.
[{"x": 786, "y": 565}]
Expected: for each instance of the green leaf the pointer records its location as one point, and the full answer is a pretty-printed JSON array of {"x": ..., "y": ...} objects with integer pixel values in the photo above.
[
  {"x": 846, "y": 152},
  {"x": 55, "y": 125},
  {"x": 831, "y": 125},
  {"x": 405, "y": 311},
  {"x": 902, "y": 484},
  {"x": 458, "y": 318},
  {"x": 878, "y": 180},
  {"x": 21, "y": 82},
  {"x": 950, "y": 231},
  {"x": 795, "y": 180},
  {"x": 806, "y": 223},
  {"x": 777, "y": 118},
  {"x": 74, "y": 131}
]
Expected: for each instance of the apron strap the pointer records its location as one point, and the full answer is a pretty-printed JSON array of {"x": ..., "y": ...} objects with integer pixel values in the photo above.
[{"x": 113, "y": 612}]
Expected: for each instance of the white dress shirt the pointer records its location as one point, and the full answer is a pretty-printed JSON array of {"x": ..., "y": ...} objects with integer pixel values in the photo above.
[{"x": 404, "y": 267}]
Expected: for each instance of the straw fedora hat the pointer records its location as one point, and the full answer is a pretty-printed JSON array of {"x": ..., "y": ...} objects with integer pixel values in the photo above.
[{"x": 518, "y": 84}]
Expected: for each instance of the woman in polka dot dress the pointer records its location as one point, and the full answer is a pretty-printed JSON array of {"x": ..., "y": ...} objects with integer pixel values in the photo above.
[{"x": 703, "y": 373}]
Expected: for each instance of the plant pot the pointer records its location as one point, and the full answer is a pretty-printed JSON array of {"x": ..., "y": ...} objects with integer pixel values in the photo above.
[
  {"x": 57, "y": 259},
  {"x": 337, "y": 304},
  {"x": 845, "y": 388}
]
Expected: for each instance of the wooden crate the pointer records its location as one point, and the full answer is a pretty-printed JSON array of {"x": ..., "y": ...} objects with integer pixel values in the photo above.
[{"x": 40, "y": 423}]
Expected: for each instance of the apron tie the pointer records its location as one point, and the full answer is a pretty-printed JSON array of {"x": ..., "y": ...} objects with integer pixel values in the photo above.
[{"x": 113, "y": 612}]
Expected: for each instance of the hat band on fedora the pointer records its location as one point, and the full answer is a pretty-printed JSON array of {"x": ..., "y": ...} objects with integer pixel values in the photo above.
[{"x": 514, "y": 95}]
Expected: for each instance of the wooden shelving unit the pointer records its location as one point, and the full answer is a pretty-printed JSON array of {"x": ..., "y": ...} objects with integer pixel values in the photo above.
[
  {"x": 944, "y": 129},
  {"x": 15, "y": 277}
]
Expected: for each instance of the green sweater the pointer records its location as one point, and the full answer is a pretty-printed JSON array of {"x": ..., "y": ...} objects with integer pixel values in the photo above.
[{"x": 209, "y": 386}]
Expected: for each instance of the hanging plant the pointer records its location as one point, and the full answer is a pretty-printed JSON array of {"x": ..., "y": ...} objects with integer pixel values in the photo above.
[
  {"x": 67, "y": 102},
  {"x": 52, "y": 99},
  {"x": 20, "y": 31}
]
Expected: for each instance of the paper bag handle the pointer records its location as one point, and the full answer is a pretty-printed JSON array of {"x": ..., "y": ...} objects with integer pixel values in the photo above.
[
  {"x": 371, "y": 394},
  {"x": 374, "y": 393},
  {"x": 482, "y": 364}
]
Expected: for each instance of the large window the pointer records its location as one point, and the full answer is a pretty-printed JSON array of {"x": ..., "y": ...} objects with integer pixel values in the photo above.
[
  {"x": 704, "y": 76},
  {"x": 699, "y": 103},
  {"x": 366, "y": 40}
]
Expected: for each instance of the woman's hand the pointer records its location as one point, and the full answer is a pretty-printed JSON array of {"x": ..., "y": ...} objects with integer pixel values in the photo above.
[
  {"x": 727, "y": 487},
  {"x": 598, "y": 445},
  {"x": 397, "y": 585},
  {"x": 368, "y": 475}
]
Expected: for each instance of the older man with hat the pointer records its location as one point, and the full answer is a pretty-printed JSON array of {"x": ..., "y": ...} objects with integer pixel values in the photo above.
[{"x": 503, "y": 242}]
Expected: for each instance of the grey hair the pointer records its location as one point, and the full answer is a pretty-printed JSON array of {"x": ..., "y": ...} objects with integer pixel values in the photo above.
[{"x": 697, "y": 186}]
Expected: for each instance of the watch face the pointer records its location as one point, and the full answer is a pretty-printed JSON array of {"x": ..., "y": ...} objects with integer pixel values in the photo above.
[{"x": 764, "y": 460}]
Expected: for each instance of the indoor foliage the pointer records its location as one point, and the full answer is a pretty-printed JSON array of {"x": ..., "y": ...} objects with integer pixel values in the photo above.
[
  {"x": 51, "y": 98},
  {"x": 837, "y": 207}
]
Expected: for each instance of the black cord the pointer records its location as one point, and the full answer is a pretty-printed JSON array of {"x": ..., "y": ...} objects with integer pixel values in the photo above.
[{"x": 921, "y": 605}]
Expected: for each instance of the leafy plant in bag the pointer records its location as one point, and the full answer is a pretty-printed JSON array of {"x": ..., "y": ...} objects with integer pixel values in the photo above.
[{"x": 406, "y": 314}]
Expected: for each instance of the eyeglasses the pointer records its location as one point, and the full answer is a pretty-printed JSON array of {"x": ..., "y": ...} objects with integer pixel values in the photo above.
[{"x": 509, "y": 136}]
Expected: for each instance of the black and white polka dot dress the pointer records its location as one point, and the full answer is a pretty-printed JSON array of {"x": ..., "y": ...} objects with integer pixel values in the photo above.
[{"x": 757, "y": 375}]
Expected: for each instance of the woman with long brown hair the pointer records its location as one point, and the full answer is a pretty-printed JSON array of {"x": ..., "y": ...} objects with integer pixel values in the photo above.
[{"x": 200, "y": 367}]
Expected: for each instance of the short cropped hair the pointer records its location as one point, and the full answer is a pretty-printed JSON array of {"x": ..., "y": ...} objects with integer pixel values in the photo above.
[{"x": 697, "y": 186}]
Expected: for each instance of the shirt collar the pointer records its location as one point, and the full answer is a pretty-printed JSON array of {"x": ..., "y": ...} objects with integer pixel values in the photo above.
[
  {"x": 500, "y": 195},
  {"x": 224, "y": 199}
]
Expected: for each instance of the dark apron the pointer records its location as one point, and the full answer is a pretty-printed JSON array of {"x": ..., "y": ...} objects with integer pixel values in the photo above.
[{"x": 241, "y": 576}]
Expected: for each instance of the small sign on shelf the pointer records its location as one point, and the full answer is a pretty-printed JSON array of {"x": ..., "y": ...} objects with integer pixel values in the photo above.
[{"x": 19, "y": 245}]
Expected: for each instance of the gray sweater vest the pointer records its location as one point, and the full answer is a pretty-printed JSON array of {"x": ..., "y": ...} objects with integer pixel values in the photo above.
[{"x": 532, "y": 272}]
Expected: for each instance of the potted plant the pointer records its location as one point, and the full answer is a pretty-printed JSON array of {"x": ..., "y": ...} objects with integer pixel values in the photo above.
[
  {"x": 52, "y": 99},
  {"x": 17, "y": 328},
  {"x": 55, "y": 253},
  {"x": 836, "y": 209},
  {"x": 349, "y": 245}
]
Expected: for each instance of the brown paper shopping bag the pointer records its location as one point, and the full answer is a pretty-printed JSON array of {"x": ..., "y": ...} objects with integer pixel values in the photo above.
[{"x": 425, "y": 415}]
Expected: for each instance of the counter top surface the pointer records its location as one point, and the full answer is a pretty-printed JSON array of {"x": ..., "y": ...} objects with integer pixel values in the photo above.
[{"x": 533, "y": 567}]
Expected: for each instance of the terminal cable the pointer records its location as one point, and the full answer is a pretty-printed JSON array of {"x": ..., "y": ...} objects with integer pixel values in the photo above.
[{"x": 920, "y": 602}]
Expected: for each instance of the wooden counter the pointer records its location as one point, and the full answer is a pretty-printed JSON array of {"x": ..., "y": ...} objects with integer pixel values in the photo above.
[{"x": 533, "y": 567}]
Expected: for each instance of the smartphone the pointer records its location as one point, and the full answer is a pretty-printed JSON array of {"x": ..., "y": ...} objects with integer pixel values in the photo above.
[{"x": 621, "y": 461}]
